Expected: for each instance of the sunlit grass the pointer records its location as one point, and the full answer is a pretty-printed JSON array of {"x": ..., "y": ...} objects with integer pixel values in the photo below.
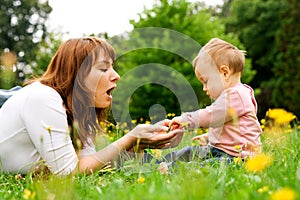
[{"x": 274, "y": 174}]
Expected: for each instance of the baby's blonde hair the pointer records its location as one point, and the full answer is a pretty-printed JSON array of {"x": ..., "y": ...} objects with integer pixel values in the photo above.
[{"x": 223, "y": 53}]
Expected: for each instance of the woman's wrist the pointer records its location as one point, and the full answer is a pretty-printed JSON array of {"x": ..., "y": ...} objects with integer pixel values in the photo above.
[{"x": 126, "y": 142}]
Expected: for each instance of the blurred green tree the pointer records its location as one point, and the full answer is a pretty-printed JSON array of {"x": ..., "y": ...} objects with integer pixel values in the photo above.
[
  {"x": 286, "y": 80},
  {"x": 22, "y": 28},
  {"x": 155, "y": 60},
  {"x": 47, "y": 49},
  {"x": 270, "y": 32}
]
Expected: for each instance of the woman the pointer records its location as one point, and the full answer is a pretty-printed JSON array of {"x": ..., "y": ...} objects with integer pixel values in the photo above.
[{"x": 54, "y": 119}]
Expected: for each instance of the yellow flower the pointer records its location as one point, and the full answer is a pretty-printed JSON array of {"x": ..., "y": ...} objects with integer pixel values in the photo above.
[
  {"x": 237, "y": 147},
  {"x": 284, "y": 194},
  {"x": 289, "y": 130},
  {"x": 284, "y": 119},
  {"x": 111, "y": 138},
  {"x": 171, "y": 115},
  {"x": 273, "y": 113},
  {"x": 200, "y": 131},
  {"x": 48, "y": 128},
  {"x": 141, "y": 180},
  {"x": 157, "y": 153},
  {"x": 280, "y": 116},
  {"x": 263, "y": 189},
  {"x": 28, "y": 194},
  {"x": 185, "y": 124},
  {"x": 126, "y": 131},
  {"x": 237, "y": 160},
  {"x": 133, "y": 121},
  {"x": 258, "y": 162},
  {"x": 232, "y": 113}
]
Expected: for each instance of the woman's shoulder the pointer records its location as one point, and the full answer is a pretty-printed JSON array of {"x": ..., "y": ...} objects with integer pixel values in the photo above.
[{"x": 38, "y": 92}]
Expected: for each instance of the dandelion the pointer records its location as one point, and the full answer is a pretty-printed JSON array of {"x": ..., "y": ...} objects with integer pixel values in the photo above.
[
  {"x": 157, "y": 153},
  {"x": 258, "y": 162},
  {"x": 170, "y": 115},
  {"x": 28, "y": 194},
  {"x": 237, "y": 160},
  {"x": 185, "y": 124},
  {"x": 111, "y": 138},
  {"x": 284, "y": 194},
  {"x": 256, "y": 149},
  {"x": 200, "y": 131},
  {"x": 289, "y": 130},
  {"x": 48, "y": 128},
  {"x": 285, "y": 119},
  {"x": 263, "y": 189},
  {"x": 126, "y": 131},
  {"x": 280, "y": 116},
  {"x": 163, "y": 168},
  {"x": 141, "y": 180},
  {"x": 231, "y": 112},
  {"x": 237, "y": 147}
]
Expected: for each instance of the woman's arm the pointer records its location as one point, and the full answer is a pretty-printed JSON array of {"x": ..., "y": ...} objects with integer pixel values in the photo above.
[{"x": 151, "y": 136}]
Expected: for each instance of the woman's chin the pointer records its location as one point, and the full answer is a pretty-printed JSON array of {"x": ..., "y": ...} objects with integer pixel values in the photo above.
[{"x": 103, "y": 104}]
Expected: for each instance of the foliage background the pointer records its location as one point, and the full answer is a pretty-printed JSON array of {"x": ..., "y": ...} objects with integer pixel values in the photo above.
[{"x": 266, "y": 29}]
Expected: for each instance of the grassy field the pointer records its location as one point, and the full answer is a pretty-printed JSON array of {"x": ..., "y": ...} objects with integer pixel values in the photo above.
[{"x": 273, "y": 175}]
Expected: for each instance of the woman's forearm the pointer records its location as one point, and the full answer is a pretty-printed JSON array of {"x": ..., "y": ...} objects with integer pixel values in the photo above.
[{"x": 98, "y": 160}]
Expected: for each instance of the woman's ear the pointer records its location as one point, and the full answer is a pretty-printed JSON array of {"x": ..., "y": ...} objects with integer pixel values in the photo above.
[{"x": 225, "y": 70}]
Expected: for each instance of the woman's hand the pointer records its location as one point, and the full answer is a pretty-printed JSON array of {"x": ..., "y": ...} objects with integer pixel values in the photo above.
[{"x": 156, "y": 136}]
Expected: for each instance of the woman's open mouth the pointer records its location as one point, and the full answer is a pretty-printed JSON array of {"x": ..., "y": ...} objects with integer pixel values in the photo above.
[{"x": 109, "y": 92}]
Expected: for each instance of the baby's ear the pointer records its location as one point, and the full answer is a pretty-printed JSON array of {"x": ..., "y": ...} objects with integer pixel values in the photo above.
[{"x": 225, "y": 70}]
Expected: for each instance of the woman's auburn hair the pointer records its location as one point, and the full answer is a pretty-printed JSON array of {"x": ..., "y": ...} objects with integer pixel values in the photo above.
[{"x": 66, "y": 73}]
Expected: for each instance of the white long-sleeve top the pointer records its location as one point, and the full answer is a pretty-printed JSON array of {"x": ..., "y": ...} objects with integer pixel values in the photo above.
[{"x": 25, "y": 139}]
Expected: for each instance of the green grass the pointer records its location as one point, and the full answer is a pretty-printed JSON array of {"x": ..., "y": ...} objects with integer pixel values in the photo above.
[{"x": 186, "y": 181}]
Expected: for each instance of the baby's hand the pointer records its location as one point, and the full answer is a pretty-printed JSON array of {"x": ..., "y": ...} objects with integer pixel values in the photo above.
[
  {"x": 174, "y": 123},
  {"x": 202, "y": 139}
]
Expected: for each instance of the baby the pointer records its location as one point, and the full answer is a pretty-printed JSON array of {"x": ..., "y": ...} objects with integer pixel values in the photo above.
[{"x": 234, "y": 130}]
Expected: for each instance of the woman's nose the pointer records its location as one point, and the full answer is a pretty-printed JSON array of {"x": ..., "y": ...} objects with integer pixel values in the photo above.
[{"x": 115, "y": 76}]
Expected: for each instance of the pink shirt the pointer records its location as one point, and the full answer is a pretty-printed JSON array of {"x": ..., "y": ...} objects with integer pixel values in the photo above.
[{"x": 232, "y": 121}]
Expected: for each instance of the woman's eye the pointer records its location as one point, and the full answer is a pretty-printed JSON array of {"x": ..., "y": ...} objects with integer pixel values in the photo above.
[{"x": 103, "y": 69}]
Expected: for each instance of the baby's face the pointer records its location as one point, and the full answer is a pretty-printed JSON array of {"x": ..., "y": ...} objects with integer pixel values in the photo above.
[{"x": 209, "y": 75}]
